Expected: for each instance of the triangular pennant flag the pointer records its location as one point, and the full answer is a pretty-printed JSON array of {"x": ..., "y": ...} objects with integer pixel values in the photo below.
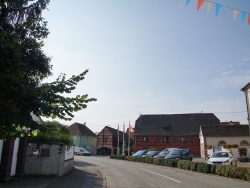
[
  {"x": 187, "y": 2},
  {"x": 235, "y": 13},
  {"x": 243, "y": 16},
  {"x": 199, "y": 4},
  {"x": 217, "y": 9},
  {"x": 248, "y": 19},
  {"x": 209, "y": 6}
]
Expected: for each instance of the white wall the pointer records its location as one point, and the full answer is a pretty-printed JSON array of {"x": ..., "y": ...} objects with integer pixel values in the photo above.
[{"x": 229, "y": 140}]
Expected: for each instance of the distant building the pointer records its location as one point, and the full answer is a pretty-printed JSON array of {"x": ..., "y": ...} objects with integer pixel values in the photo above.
[
  {"x": 82, "y": 135},
  {"x": 246, "y": 90},
  {"x": 107, "y": 141},
  {"x": 161, "y": 131}
]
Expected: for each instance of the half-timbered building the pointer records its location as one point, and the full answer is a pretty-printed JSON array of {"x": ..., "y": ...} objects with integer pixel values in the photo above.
[
  {"x": 107, "y": 141},
  {"x": 171, "y": 131}
]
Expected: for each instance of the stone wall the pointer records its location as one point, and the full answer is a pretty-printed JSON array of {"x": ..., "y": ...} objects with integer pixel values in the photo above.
[{"x": 46, "y": 159}]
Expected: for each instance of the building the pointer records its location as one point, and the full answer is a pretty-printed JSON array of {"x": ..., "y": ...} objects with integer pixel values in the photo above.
[
  {"x": 218, "y": 136},
  {"x": 171, "y": 131},
  {"x": 246, "y": 90},
  {"x": 107, "y": 141},
  {"x": 82, "y": 135}
]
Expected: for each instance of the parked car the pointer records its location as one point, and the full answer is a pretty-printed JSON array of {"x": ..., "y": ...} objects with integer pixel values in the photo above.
[
  {"x": 151, "y": 154},
  {"x": 180, "y": 153},
  {"x": 81, "y": 151},
  {"x": 222, "y": 158},
  {"x": 164, "y": 153},
  {"x": 140, "y": 153}
]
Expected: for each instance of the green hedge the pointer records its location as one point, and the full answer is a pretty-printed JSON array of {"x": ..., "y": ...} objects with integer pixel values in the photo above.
[{"x": 220, "y": 170}]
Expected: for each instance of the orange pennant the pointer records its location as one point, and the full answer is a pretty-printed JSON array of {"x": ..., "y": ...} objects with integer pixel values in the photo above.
[
  {"x": 248, "y": 19},
  {"x": 199, "y": 3}
]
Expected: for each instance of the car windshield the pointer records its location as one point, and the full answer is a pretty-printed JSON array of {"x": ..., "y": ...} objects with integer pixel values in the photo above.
[
  {"x": 176, "y": 152},
  {"x": 164, "y": 153},
  {"x": 220, "y": 154},
  {"x": 140, "y": 152},
  {"x": 151, "y": 153}
]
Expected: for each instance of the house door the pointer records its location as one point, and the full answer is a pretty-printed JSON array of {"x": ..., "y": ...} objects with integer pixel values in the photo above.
[{"x": 14, "y": 159}]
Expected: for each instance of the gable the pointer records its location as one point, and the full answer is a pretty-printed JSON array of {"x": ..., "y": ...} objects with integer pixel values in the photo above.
[{"x": 80, "y": 130}]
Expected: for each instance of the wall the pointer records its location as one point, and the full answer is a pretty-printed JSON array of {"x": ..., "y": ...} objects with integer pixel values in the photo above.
[
  {"x": 229, "y": 140},
  {"x": 47, "y": 159},
  {"x": 88, "y": 141}
]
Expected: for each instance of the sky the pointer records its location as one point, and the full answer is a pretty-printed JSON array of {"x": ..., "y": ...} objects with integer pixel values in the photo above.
[{"x": 151, "y": 57}]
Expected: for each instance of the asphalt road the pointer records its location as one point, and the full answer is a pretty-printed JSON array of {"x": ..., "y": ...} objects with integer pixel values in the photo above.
[{"x": 127, "y": 174}]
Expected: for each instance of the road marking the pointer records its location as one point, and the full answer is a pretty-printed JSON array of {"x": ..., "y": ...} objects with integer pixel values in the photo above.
[{"x": 161, "y": 175}]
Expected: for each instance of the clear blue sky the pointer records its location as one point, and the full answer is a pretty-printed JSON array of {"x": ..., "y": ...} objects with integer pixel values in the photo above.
[{"x": 151, "y": 57}]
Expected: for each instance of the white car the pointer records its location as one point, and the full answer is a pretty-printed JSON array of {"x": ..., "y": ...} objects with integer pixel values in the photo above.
[{"x": 222, "y": 158}]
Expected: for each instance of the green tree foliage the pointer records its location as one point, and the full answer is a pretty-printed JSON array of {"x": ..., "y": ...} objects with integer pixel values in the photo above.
[
  {"x": 24, "y": 65},
  {"x": 53, "y": 132}
]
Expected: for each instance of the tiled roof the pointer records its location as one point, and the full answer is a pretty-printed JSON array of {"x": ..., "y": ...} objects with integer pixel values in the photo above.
[
  {"x": 80, "y": 129},
  {"x": 114, "y": 132},
  {"x": 173, "y": 124},
  {"x": 230, "y": 123},
  {"x": 229, "y": 130}
]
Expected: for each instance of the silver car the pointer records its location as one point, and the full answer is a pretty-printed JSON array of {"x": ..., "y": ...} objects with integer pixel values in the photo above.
[{"x": 222, "y": 158}]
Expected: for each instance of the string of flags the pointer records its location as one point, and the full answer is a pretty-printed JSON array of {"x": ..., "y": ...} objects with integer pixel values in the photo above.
[{"x": 210, "y": 4}]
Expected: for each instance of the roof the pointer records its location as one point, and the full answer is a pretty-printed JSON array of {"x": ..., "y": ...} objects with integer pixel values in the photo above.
[
  {"x": 80, "y": 129},
  {"x": 245, "y": 87},
  {"x": 229, "y": 130},
  {"x": 114, "y": 132},
  {"x": 173, "y": 124},
  {"x": 230, "y": 123}
]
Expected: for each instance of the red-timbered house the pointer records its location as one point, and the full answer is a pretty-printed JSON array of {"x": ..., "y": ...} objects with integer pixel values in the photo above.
[
  {"x": 171, "y": 131},
  {"x": 107, "y": 141}
]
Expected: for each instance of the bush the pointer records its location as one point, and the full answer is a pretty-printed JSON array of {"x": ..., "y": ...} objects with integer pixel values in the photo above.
[
  {"x": 157, "y": 161},
  {"x": 194, "y": 166},
  {"x": 242, "y": 152},
  {"x": 204, "y": 168},
  {"x": 117, "y": 157},
  {"x": 141, "y": 159},
  {"x": 243, "y": 159},
  {"x": 233, "y": 172},
  {"x": 184, "y": 164},
  {"x": 149, "y": 160},
  {"x": 170, "y": 162}
]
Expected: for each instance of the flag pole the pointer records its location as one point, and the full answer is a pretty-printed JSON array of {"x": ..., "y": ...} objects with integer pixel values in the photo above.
[
  {"x": 129, "y": 138},
  {"x": 123, "y": 139},
  {"x": 118, "y": 144}
]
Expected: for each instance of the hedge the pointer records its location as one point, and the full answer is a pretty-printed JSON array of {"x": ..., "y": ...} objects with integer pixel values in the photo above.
[{"x": 220, "y": 170}]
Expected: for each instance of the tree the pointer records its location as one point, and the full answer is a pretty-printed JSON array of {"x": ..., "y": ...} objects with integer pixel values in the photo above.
[{"x": 24, "y": 65}]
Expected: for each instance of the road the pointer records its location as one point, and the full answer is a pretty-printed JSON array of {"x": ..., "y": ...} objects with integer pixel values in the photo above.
[{"x": 127, "y": 174}]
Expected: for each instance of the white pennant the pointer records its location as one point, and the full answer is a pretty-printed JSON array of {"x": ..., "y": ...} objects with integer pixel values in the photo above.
[
  {"x": 235, "y": 13},
  {"x": 209, "y": 6}
]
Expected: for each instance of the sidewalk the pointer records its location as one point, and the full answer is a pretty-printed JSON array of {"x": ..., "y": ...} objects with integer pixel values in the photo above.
[{"x": 83, "y": 175}]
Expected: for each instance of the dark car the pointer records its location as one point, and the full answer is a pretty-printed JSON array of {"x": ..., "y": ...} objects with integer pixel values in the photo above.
[
  {"x": 164, "y": 153},
  {"x": 180, "y": 153},
  {"x": 151, "y": 154},
  {"x": 140, "y": 153}
]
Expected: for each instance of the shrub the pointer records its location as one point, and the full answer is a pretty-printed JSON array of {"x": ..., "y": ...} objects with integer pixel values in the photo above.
[
  {"x": 117, "y": 157},
  {"x": 141, "y": 159},
  {"x": 149, "y": 160},
  {"x": 194, "y": 166},
  {"x": 233, "y": 172},
  {"x": 157, "y": 161},
  {"x": 243, "y": 159},
  {"x": 170, "y": 162},
  {"x": 204, "y": 168},
  {"x": 242, "y": 152},
  {"x": 234, "y": 145},
  {"x": 184, "y": 164}
]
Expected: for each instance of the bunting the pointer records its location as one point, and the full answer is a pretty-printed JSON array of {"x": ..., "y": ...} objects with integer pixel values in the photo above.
[
  {"x": 235, "y": 13},
  {"x": 209, "y": 6},
  {"x": 187, "y": 2},
  {"x": 199, "y": 4},
  {"x": 218, "y": 7}
]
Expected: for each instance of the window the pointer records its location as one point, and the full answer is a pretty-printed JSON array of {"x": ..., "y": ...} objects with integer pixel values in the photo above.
[
  {"x": 183, "y": 138},
  {"x": 165, "y": 139},
  {"x": 221, "y": 143},
  {"x": 244, "y": 143},
  {"x": 105, "y": 139},
  {"x": 145, "y": 138}
]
